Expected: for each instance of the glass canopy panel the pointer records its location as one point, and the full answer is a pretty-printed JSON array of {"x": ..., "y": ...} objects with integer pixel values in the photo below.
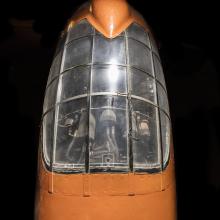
[
  {"x": 75, "y": 82},
  {"x": 146, "y": 153},
  {"x": 162, "y": 98},
  {"x": 154, "y": 45},
  {"x": 108, "y": 134},
  {"x": 55, "y": 67},
  {"x": 78, "y": 52},
  {"x": 142, "y": 85},
  {"x": 109, "y": 51},
  {"x": 159, "y": 70},
  {"x": 50, "y": 97},
  {"x": 165, "y": 136},
  {"x": 109, "y": 78},
  {"x": 72, "y": 135},
  {"x": 138, "y": 33},
  {"x": 82, "y": 29},
  {"x": 61, "y": 43},
  {"x": 48, "y": 128},
  {"x": 139, "y": 56}
]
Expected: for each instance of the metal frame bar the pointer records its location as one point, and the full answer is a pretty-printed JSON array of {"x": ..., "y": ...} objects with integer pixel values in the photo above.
[{"x": 107, "y": 64}]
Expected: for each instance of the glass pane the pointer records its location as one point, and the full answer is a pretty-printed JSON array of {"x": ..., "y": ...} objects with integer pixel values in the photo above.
[
  {"x": 138, "y": 33},
  {"x": 75, "y": 82},
  {"x": 162, "y": 98},
  {"x": 139, "y": 56},
  {"x": 146, "y": 152},
  {"x": 154, "y": 45},
  {"x": 158, "y": 70},
  {"x": 142, "y": 85},
  {"x": 99, "y": 33},
  {"x": 165, "y": 135},
  {"x": 48, "y": 131},
  {"x": 78, "y": 52},
  {"x": 109, "y": 78},
  {"x": 82, "y": 29},
  {"x": 109, "y": 51},
  {"x": 55, "y": 67},
  {"x": 61, "y": 42},
  {"x": 108, "y": 134},
  {"x": 72, "y": 135},
  {"x": 50, "y": 97}
]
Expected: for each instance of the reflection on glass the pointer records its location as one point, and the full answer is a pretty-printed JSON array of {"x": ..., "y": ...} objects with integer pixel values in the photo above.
[
  {"x": 165, "y": 135},
  {"x": 72, "y": 133},
  {"x": 109, "y": 78},
  {"x": 109, "y": 51},
  {"x": 144, "y": 133},
  {"x": 48, "y": 128},
  {"x": 108, "y": 139},
  {"x": 142, "y": 85}
]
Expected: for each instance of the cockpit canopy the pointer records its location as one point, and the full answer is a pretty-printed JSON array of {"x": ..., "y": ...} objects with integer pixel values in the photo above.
[{"x": 106, "y": 107}]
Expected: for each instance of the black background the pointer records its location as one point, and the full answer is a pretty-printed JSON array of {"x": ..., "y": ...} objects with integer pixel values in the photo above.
[{"x": 189, "y": 46}]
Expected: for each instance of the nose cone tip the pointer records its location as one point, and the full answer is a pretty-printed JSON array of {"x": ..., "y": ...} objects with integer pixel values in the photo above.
[{"x": 110, "y": 14}]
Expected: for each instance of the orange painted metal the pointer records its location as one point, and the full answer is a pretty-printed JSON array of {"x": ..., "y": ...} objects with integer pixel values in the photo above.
[
  {"x": 155, "y": 206},
  {"x": 105, "y": 196},
  {"x": 109, "y": 17}
]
